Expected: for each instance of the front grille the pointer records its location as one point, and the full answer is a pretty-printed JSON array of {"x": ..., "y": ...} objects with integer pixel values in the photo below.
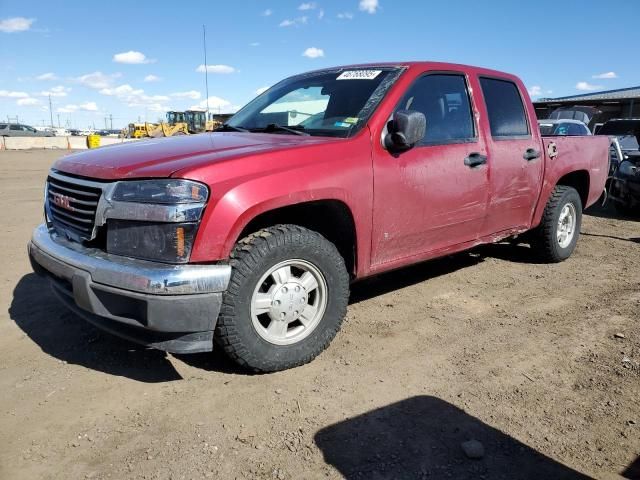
[{"x": 72, "y": 205}]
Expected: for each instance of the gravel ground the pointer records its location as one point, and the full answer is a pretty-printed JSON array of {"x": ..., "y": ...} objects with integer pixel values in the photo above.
[{"x": 481, "y": 365}]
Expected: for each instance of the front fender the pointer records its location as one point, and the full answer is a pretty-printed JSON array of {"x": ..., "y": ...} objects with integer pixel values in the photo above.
[{"x": 226, "y": 217}]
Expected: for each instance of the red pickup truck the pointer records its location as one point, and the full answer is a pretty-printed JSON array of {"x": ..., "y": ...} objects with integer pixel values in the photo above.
[{"x": 250, "y": 236}]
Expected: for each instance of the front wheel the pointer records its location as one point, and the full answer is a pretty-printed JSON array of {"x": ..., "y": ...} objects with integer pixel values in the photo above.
[
  {"x": 286, "y": 300},
  {"x": 556, "y": 237}
]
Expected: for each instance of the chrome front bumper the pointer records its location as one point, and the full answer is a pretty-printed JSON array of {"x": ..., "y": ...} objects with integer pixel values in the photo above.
[{"x": 170, "y": 307}]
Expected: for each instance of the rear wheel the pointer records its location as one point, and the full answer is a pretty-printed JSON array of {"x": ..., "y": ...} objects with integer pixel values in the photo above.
[
  {"x": 286, "y": 300},
  {"x": 556, "y": 237}
]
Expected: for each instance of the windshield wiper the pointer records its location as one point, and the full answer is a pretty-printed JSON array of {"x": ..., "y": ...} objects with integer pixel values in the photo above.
[
  {"x": 274, "y": 126},
  {"x": 230, "y": 128}
]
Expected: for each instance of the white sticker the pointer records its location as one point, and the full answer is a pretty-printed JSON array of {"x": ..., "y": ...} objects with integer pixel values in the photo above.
[{"x": 359, "y": 75}]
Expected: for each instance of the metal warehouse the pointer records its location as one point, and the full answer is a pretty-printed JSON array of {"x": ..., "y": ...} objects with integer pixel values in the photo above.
[{"x": 592, "y": 108}]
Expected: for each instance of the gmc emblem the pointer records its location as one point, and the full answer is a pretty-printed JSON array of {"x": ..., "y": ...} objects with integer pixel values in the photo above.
[{"x": 62, "y": 201}]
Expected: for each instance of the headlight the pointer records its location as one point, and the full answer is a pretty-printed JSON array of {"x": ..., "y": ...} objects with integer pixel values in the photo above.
[
  {"x": 627, "y": 168},
  {"x": 163, "y": 242},
  {"x": 166, "y": 191}
]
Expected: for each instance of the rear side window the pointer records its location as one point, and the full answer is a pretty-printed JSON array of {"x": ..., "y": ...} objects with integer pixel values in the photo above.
[
  {"x": 444, "y": 101},
  {"x": 3, "y": 126},
  {"x": 504, "y": 105},
  {"x": 15, "y": 127}
]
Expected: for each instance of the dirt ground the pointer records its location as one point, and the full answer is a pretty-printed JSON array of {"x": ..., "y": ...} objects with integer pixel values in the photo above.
[{"x": 539, "y": 363}]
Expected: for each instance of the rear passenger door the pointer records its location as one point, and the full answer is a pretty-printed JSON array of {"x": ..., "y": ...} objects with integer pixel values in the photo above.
[
  {"x": 516, "y": 159},
  {"x": 433, "y": 196}
]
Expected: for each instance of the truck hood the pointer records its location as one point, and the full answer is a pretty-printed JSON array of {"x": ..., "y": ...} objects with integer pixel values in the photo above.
[{"x": 162, "y": 157}]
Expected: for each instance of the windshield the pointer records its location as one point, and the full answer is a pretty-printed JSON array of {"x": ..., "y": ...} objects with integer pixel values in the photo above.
[{"x": 333, "y": 103}]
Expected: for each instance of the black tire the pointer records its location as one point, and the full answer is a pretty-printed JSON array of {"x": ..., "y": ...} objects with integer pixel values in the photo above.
[
  {"x": 251, "y": 258},
  {"x": 545, "y": 240}
]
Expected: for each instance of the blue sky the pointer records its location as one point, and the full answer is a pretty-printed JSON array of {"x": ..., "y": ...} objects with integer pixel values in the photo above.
[{"x": 128, "y": 60}]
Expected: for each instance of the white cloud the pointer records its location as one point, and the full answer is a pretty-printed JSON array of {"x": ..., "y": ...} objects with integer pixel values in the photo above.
[
  {"x": 267, "y": 13},
  {"x": 27, "y": 101},
  {"x": 216, "y": 104},
  {"x": 97, "y": 80},
  {"x": 59, "y": 91},
  {"x": 132, "y": 57},
  {"x": 345, "y": 16},
  {"x": 89, "y": 106},
  {"x": 313, "y": 52},
  {"x": 135, "y": 97},
  {"x": 254, "y": 44},
  {"x": 261, "y": 90},
  {"x": 16, "y": 24},
  {"x": 47, "y": 76},
  {"x": 70, "y": 108},
  {"x": 294, "y": 22},
  {"x": 307, "y": 6},
  {"x": 369, "y": 6},
  {"x": 152, "y": 78},
  {"x": 121, "y": 90},
  {"x": 192, "y": 94},
  {"x": 535, "y": 91},
  {"x": 320, "y": 14},
  {"x": 216, "y": 69},
  {"x": 13, "y": 94},
  {"x": 587, "y": 87},
  {"x": 606, "y": 75}
]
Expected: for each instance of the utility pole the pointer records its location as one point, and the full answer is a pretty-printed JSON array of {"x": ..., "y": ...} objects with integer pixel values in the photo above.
[
  {"x": 50, "y": 112},
  {"x": 206, "y": 68},
  {"x": 111, "y": 121},
  {"x": 58, "y": 120}
]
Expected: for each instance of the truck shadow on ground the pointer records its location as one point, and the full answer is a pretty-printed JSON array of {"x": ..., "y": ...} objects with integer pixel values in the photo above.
[
  {"x": 421, "y": 437},
  {"x": 609, "y": 211},
  {"x": 63, "y": 335}
]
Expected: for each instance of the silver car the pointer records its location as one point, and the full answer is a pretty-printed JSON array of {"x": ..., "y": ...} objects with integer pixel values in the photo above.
[{"x": 21, "y": 130}]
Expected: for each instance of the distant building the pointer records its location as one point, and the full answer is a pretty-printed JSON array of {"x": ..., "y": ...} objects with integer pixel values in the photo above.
[{"x": 595, "y": 107}]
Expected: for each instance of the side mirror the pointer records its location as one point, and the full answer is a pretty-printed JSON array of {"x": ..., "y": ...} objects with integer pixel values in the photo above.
[{"x": 405, "y": 130}]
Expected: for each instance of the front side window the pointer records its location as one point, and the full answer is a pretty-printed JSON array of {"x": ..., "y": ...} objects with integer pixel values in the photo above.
[
  {"x": 444, "y": 101},
  {"x": 505, "y": 108},
  {"x": 334, "y": 103}
]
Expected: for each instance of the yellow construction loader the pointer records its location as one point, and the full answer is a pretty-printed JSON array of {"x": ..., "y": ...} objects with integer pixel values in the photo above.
[{"x": 178, "y": 123}]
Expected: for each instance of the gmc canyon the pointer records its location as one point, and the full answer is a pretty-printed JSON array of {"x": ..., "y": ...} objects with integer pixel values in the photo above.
[{"x": 249, "y": 237}]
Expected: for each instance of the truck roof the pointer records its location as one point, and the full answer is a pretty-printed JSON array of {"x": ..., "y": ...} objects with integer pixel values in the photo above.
[{"x": 424, "y": 65}]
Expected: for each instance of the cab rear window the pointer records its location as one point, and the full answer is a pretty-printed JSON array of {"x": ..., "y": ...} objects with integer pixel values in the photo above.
[{"x": 506, "y": 111}]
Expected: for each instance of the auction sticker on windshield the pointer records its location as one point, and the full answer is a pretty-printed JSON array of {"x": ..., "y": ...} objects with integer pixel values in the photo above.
[{"x": 359, "y": 75}]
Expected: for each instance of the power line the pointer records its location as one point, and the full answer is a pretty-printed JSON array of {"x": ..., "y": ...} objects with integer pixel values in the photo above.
[
  {"x": 206, "y": 68},
  {"x": 50, "y": 111}
]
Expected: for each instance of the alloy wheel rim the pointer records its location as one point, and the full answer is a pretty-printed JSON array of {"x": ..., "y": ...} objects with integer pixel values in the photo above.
[
  {"x": 289, "y": 302},
  {"x": 566, "y": 225}
]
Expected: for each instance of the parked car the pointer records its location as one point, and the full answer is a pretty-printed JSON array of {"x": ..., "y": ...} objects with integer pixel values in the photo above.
[
  {"x": 550, "y": 128},
  {"x": 252, "y": 234},
  {"x": 624, "y": 189},
  {"x": 21, "y": 130}
]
